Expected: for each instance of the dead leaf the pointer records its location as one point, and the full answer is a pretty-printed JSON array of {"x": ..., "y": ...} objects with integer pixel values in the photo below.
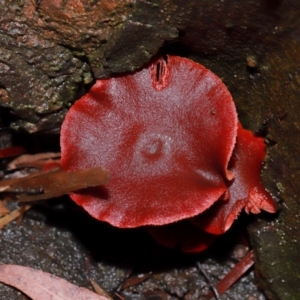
[
  {"x": 3, "y": 209},
  {"x": 99, "y": 290},
  {"x": 134, "y": 280},
  {"x": 49, "y": 164},
  {"x": 13, "y": 215},
  {"x": 54, "y": 183},
  {"x": 29, "y": 159},
  {"x": 22, "y": 212},
  {"x": 6, "y": 183},
  {"x": 40, "y": 285}
]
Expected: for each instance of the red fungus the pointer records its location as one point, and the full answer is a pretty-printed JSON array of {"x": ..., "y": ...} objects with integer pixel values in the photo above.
[
  {"x": 169, "y": 136},
  {"x": 246, "y": 192},
  {"x": 165, "y": 133},
  {"x": 183, "y": 234}
]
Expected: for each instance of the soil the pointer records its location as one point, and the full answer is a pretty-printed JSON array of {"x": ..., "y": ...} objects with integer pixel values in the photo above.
[{"x": 58, "y": 237}]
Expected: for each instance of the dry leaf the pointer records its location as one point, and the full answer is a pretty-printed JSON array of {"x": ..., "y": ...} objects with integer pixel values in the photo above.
[
  {"x": 134, "y": 280},
  {"x": 23, "y": 209},
  {"x": 40, "y": 285},
  {"x": 99, "y": 290},
  {"x": 54, "y": 183},
  {"x": 3, "y": 209},
  {"x": 13, "y": 215},
  {"x": 29, "y": 159}
]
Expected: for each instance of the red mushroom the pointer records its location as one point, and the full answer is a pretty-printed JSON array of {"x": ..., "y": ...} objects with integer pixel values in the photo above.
[
  {"x": 246, "y": 192},
  {"x": 165, "y": 133},
  {"x": 182, "y": 234},
  {"x": 169, "y": 136}
]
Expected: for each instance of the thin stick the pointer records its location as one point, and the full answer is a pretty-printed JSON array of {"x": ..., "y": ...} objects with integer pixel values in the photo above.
[
  {"x": 211, "y": 286},
  {"x": 234, "y": 274},
  {"x": 27, "y": 159},
  {"x": 12, "y": 216}
]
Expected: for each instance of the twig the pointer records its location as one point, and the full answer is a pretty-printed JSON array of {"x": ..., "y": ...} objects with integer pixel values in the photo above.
[
  {"x": 3, "y": 209},
  {"x": 99, "y": 290},
  {"x": 234, "y": 274},
  {"x": 212, "y": 287},
  {"x": 27, "y": 159},
  {"x": 12, "y": 216}
]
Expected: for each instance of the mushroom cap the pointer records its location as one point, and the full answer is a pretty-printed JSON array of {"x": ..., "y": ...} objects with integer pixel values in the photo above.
[
  {"x": 246, "y": 190},
  {"x": 165, "y": 133}
]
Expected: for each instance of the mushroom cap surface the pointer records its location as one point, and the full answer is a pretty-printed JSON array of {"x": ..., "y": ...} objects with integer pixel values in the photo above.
[
  {"x": 165, "y": 133},
  {"x": 246, "y": 190}
]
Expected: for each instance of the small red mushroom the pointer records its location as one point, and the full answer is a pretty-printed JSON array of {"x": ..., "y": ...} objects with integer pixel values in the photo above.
[
  {"x": 169, "y": 136},
  {"x": 165, "y": 133},
  {"x": 245, "y": 190}
]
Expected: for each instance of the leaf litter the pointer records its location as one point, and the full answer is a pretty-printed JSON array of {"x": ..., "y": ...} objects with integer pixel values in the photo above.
[
  {"x": 3, "y": 209},
  {"x": 13, "y": 215},
  {"x": 51, "y": 184},
  {"x": 28, "y": 160},
  {"x": 41, "y": 285}
]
